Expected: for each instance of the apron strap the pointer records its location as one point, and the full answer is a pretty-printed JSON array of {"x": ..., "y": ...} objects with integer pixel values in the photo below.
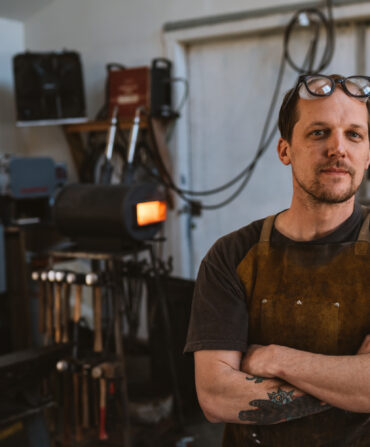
[
  {"x": 267, "y": 228},
  {"x": 363, "y": 239},
  {"x": 364, "y": 234}
]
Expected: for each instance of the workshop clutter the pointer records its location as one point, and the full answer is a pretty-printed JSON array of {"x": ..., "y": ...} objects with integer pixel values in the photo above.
[
  {"x": 93, "y": 396},
  {"x": 108, "y": 384}
]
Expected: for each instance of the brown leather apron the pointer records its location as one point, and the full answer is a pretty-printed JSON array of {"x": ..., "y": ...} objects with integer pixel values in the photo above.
[{"x": 314, "y": 297}]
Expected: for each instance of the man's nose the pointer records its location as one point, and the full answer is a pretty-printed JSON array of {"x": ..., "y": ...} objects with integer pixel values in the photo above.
[{"x": 336, "y": 145}]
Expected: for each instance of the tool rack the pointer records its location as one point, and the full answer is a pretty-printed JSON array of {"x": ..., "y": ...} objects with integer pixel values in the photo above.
[{"x": 107, "y": 271}]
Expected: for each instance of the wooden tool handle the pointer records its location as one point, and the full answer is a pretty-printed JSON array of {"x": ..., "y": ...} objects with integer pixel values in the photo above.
[
  {"x": 42, "y": 307},
  {"x": 85, "y": 400},
  {"x": 65, "y": 311},
  {"x": 77, "y": 306},
  {"x": 98, "y": 335},
  {"x": 67, "y": 413},
  {"x": 76, "y": 396},
  {"x": 103, "y": 397},
  {"x": 49, "y": 311},
  {"x": 57, "y": 315}
]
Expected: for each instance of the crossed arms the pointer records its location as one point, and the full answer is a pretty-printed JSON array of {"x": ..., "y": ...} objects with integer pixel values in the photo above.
[{"x": 272, "y": 384}]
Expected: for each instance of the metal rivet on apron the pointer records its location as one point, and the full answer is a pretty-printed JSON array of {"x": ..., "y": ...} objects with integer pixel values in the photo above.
[
  {"x": 254, "y": 435},
  {"x": 264, "y": 301},
  {"x": 336, "y": 304},
  {"x": 299, "y": 302},
  {"x": 258, "y": 441}
]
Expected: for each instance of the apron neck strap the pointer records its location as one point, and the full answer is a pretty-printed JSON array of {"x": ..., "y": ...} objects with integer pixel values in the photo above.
[
  {"x": 364, "y": 234},
  {"x": 267, "y": 228}
]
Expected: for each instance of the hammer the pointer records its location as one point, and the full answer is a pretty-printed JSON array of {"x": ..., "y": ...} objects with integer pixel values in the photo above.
[
  {"x": 61, "y": 283},
  {"x": 71, "y": 366},
  {"x": 77, "y": 280},
  {"x": 36, "y": 276},
  {"x": 57, "y": 277},
  {"x": 104, "y": 372},
  {"x": 93, "y": 279},
  {"x": 49, "y": 306}
]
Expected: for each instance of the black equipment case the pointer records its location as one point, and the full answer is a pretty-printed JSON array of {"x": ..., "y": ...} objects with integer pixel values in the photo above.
[{"x": 48, "y": 88}]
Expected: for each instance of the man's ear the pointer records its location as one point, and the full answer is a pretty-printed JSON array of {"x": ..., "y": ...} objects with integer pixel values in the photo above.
[{"x": 283, "y": 149}]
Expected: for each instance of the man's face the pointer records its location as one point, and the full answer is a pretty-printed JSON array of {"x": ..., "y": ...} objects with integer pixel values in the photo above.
[{"x": 329, "y": 150}]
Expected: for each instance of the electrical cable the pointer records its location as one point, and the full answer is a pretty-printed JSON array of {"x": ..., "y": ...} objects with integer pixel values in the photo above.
[
  {"x": 264, "y": 142},
  {"x": 179, "y": 107}
]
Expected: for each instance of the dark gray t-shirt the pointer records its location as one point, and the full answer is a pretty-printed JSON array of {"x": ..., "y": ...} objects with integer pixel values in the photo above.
[{"x": 219, "y": 315}]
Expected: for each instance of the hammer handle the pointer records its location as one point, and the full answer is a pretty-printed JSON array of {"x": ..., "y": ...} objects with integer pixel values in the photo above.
[
  {"x": 65, "y": 312},
  {"x": 85, "y": 400},
  {"x": 58, "y": 302},
  {"x": 103, "y": 398},
  {"x": 42, "y": 306},
  {"x": 76, "y": 395},
  {"x": 49, "y": 311},
  {"x": 98, "y": 335},
  {"x": 76, "y": 318},
  {"x": 77, "y": 307}
]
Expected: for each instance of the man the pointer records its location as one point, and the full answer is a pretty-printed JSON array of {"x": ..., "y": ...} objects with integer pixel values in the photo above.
[{"x": 281, "y": 312}]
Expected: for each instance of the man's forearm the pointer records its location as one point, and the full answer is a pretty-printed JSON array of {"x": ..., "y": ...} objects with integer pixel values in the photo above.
[
  {"x": 342, "y": 381},
  {"x": 230, "y": 395},
  {"x": 282, "y": 402}
]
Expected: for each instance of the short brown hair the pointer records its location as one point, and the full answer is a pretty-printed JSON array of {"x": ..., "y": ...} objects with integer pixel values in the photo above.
[{"x": 288, "y": 115}]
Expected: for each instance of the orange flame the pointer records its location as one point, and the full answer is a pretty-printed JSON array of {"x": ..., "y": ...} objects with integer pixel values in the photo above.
[{"x": 150, "y": 212}]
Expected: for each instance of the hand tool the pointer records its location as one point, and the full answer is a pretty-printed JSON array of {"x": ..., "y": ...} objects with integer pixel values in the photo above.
[
  {"x": 66, "y": 295},
  {"x": 104, "y": 372},
  {"x": 92, "y": 279},
  {"x": 58, "y": 277},
  {"x": 85, "y": 396},
  {"x": 76, "y": 279},
  {"x": 49, "y": 306},
  {"x": 36, "y": 276},
  {"x": 65, "y": 367}
]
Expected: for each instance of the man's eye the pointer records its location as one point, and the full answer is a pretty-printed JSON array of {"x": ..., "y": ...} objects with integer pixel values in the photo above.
[
  {"x": 354, "y": 134},
  {"x": 318, "y": 132}
]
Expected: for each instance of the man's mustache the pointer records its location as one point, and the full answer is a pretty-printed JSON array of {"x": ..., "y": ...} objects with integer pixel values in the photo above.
[{"x": 337, "y": 165}]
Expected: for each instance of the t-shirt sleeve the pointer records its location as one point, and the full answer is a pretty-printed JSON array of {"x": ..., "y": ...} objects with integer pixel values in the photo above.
[{"x": 219, "y": 315}]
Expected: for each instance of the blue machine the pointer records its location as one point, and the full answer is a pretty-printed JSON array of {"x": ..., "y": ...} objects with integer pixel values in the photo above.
[
  {"x": 27, "y": 186},
  {"x": 30, "y": 177},
  {"x": 27, "y": 189}
]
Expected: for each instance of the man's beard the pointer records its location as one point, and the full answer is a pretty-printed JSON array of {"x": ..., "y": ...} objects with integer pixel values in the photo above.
[{"x": 324, "y": 194}]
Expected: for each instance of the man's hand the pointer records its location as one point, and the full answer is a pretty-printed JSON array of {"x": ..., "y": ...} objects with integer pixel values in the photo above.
[
  {"x": 258, "y": 361},
  {"x": 365, "y": 346}
]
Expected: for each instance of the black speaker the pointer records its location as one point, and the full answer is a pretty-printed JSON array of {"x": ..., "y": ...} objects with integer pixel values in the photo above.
[
  {"x": 161, "y": 89},
  {"x": 49, "y": 88}
]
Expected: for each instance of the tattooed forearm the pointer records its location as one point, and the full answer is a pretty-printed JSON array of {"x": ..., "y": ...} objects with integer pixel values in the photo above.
[
  {"x": 257, "y": 379},
  {"x": 282, "y": 406}
]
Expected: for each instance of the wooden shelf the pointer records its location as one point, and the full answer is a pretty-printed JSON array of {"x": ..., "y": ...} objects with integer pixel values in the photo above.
[{"x": 101, "y": 126}]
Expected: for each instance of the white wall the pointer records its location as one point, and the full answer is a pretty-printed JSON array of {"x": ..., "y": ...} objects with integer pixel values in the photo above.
[{"x": 11, "y": 42}]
